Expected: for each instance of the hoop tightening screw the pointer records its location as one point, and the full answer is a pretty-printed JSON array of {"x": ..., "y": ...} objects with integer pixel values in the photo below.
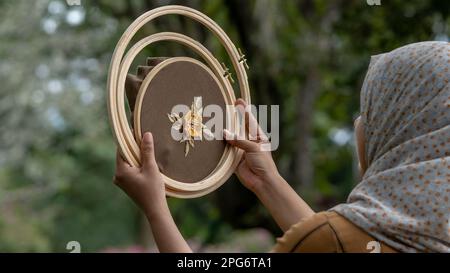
[
  {"x": 242, "y": 59},
  {"x": 226, "y": 73}
]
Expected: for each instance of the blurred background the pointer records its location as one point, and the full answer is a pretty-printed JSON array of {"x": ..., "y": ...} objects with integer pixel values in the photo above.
[{"x": 57, "y": 151}]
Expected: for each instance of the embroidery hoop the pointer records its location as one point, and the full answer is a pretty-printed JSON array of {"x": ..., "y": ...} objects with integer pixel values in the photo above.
[{"x": 123, "y": 135}]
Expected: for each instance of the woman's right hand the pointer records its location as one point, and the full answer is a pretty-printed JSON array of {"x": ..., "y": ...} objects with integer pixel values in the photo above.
[
  {"x": 258, "y": 172},
  {"x": 257, "y": 168}
]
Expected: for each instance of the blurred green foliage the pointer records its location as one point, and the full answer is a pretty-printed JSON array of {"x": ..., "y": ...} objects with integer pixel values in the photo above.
[{"x": 57, "y": 152}]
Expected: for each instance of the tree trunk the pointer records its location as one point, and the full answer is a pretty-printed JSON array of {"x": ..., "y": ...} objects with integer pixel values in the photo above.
[{"x": 304, "y": 168}]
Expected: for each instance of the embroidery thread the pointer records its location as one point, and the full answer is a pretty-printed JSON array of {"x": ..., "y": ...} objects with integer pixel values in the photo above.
[{"x": 191, "y": 125}]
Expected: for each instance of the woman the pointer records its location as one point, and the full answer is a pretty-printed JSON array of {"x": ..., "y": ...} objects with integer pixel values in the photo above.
[{"x": 403, "y": 142}]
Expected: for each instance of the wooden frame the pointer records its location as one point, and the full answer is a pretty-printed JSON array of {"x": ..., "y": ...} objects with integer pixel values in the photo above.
[{"x": 125, "y": 139}]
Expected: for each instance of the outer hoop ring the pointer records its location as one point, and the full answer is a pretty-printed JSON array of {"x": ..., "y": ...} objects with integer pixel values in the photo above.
[{"x": 127, "y": 146}]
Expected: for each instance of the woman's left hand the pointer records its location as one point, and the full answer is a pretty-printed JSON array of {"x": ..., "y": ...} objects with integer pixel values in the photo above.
[{"x": 144, "y": 185}]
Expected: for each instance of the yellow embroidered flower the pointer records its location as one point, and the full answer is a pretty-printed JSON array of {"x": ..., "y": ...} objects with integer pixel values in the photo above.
[{"x": 191, "y": 124}]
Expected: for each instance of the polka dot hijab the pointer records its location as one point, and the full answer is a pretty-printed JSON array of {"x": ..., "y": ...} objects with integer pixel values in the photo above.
[{"x": 403, "y": 198}]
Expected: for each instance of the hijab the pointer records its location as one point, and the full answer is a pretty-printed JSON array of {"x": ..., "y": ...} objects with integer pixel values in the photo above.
[{"x": 403, "y": 198}]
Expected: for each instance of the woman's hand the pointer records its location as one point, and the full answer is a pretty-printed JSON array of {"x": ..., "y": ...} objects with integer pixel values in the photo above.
[
  {"x": 257, "y": 168},
  {"x": 144, "y": 185},
  {"x": 257, "y": 171}
]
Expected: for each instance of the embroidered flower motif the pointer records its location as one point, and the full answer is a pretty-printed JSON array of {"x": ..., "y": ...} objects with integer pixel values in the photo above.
[{"x": 191, "y": 125}]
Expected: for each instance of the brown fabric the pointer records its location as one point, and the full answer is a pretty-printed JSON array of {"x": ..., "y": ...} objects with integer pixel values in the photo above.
[
  {"x": 177, "y": 83},
  {"x": 327, "y": 232}
]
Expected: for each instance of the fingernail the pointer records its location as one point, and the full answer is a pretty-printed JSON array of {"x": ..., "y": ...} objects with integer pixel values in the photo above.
[
  {"x": 228, "y": 134},
  {"x": 241, "y": 101},
  {"x": 240, "y": 108},
  {"x": 147, "y": 137}
]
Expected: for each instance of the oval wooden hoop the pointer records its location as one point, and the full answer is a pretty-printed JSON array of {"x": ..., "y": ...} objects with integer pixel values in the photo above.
[
  {"x": 128, "y": 146},
  {"x": 226, "y": 160}
]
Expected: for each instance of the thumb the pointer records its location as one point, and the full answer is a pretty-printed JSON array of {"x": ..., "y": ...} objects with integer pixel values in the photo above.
[{"x": 147, "y": 152}]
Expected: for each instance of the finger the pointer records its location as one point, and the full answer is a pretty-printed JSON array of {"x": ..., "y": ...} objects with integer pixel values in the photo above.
[
  {"x": 244, "y": 173},
  {"x": 243, "y": 108},
  {"x": 120, "y": 162},
  {"x": 122, "y": 168},
  {"x": 246, "y": 145},
  {"x": 240, "y": 169},
  {"x": 252, "y": 127},
  {"x": 148, "y": 152}
]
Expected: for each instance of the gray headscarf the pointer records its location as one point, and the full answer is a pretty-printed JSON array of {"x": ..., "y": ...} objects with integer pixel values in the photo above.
[{"x": 403, "y": 198}]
